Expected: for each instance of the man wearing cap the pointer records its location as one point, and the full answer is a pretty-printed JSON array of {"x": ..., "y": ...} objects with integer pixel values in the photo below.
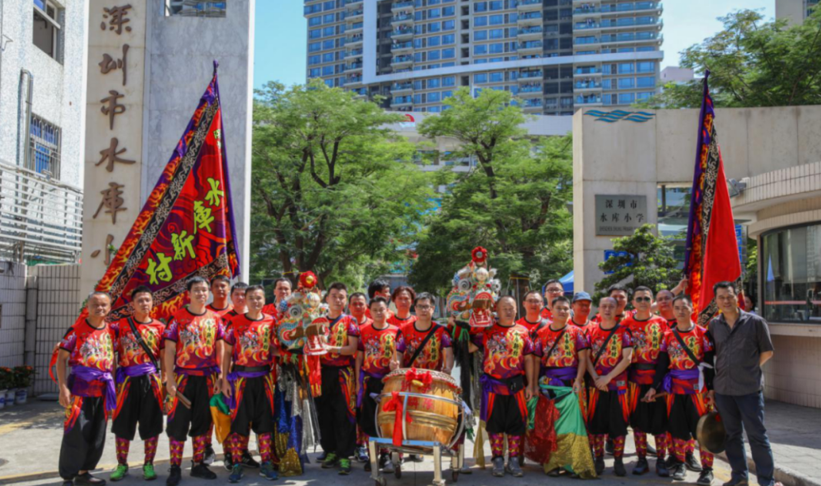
[{"x": 581, "y": 310}]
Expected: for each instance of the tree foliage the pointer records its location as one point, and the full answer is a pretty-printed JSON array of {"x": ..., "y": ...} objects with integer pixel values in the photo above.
[
  {"x": 512, "y": 201},
  {"x": 752, "y": 63},
  {"x": 333, "y": 190},
  {"x": 649, "y": 261}
]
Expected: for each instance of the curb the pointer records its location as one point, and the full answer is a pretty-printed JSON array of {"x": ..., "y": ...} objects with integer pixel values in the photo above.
[
  {"x": 20, "y": 478},
  {"x": 785, "y": 475}
]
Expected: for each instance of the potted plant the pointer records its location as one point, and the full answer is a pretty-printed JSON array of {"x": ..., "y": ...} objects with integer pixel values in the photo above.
[
  {"x": 5, "y": 379},
  {"x": 23, "y": 376}
]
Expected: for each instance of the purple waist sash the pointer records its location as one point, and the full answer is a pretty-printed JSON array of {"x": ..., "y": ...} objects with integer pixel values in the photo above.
[
  {"x": 682, "y": 375},
  {"x": 235, "y": 376},
  {"x": 618, "y": 384},
  {"x": 557, "y": 376},
  {"x": 88, "y": 374},
  {"x": 135, "y": 370},
  {"x": 208, "y": 370},
  {"x": 492, "y": 385},
  {"x": 361, "y": 392}
]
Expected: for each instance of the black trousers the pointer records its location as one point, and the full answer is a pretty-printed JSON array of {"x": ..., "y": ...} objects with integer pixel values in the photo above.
[
  {"x": 255, "y": 410},
  {"x": 684, "y": 416},
  {"x": 83, "y": 438},
  {"x": 337, "y": 433},
  {"x": 506, "y": 417},
  {"x": 366, "y": 414},
  {"x": 140, "y": 405},
  {"x": 195, "y": 421},
  {"x": 608, "y": 416},
  {"x": 648, "y": 417}
]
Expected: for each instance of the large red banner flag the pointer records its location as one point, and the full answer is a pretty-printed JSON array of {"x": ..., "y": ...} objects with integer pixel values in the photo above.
[
  {"x": 712, "y": 249},
  {"x": 186, "y": 226}
]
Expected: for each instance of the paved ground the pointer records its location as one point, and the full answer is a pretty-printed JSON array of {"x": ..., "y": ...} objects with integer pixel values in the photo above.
[{"x": 30, "y": 445}]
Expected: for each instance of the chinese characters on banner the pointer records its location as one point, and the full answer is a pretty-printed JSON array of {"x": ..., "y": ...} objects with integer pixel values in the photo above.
[
  {"x": 620, "y": 215},
  {"x": 114, "y": 119}
]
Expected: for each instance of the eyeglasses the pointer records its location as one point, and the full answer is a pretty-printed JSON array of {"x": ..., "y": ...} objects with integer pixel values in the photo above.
[
  {"x": 643, "y": 299},
  {"x": 424, "y": 307}
]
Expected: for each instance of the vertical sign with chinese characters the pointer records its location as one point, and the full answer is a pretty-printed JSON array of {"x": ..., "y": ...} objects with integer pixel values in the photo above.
[
  {"x": 620, "y": 215},
  {"x": 114, "y": 127}
]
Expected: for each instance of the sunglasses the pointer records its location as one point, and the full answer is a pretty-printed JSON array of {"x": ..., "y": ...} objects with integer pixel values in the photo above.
[{"x": 643, "y": 299}]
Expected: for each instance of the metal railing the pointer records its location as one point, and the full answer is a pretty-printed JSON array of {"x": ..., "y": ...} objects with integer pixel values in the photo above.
[
  {"x": 196, "y": 8},
  {"x": 41, "y": 219},
  {"x": 44, "y": 145}
]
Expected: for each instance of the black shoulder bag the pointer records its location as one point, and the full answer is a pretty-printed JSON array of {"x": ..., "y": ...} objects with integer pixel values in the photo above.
[
  {"x": 604, "y": 345},
  {"x": 422, "y": 344}
]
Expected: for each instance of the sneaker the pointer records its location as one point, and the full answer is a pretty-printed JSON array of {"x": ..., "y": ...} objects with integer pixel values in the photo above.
[
  {"x": 642, "y": 467},
  {"x": 86, "y": 479},
  {"x": 344, "y": 467},
  {"x": 120, "y": 472},
  {"x": 68, "y": 482},
  {"x": 228, "y": 462},
  {"x": 248, "y": 461},
  {"x": 331, "y": 461},
  {"x": 174, "y": 476},
  {"x": 661, "y": 469},
  {"x": 361, "y": 454},
  {"x": 389, "y": 467},
  {"x": 599, "y": 465},
  {"x": 740, "y": 482},
  {"x": 210, "y": 455},
  {"x": 267, "y": 471},
  {"x": 201, "y": 471},
  {"x": 384, "y": 459},
  {"x": 691, "y": 463},
  {"x": 618, "y": 467},
  {"x": 678, "y": 472},
  {"x": 706, "y": 477},
  {"x": 236, "y": 474},
  {"x": 514, "y": 468},
  {"x": 670, "y": 462},
  {"x": 498, "y": 467},
  {"x": 148, "y": 472}
]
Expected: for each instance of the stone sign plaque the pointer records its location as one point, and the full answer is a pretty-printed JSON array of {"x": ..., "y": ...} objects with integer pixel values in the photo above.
[{"x": 620, "y": 215}]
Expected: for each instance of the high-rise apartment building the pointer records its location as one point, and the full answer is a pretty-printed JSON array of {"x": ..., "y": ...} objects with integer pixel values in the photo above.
[
  {"x": 794, "y": 10},
  {"x": 553, "y": 54}
]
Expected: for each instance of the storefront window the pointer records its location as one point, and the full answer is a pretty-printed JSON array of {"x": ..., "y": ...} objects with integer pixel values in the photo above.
[{"x": 790, "y": 266}]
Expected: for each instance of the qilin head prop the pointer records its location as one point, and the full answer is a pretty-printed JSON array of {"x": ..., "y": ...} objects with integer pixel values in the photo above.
[
  {"x": 296, "y": 329},
  {"x": 475, "y": 291}
]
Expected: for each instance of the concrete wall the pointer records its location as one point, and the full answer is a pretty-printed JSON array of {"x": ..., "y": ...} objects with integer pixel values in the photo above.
[
  {"x": 13, "y": 313},
  {"x": 792, "y": 374},
  {"x": 633, "y": 158},
  {"x": 178, "y": 69},
  {"x": 59, "y": 89}
]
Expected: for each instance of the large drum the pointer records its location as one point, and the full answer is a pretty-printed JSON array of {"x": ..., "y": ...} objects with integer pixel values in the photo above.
[{"x": 431, "y": 400}]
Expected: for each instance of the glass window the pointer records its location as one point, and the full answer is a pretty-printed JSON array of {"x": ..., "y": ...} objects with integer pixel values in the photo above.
[
  {"x": 327, "y": 31},
  {"x": 497, "y": 77},
  {"x": 434, "y": 13},
  {"x": 479, "y": 21},
  {"x": 315, "y": 33},
  {"x": 790, "y": 272},
  {"x": 497, "y": 19},
  {"x": 480, "y": 7},
  {"x": 448, "y": 11},
  {"x": 646, "y": 81},
  {"x": 645, "y": 66},
  {"x": 434, "y": 27},
  {"x": 328, "y": 57},
  {"x": 448, "y": 39},
  {"x": 449, "y": 81},
  {"x": 448, "y": 25},
  {"x": 434, "y": 97},
  {"x": 497, "y": 48},
  {"x": 327, "y": 70},
  {"x": 328, "y": 44},
  {"x": 626, "y": 98},
  {"x": 480, "y": 78},
  {"x": 313, "y": 73},
  {"x": 645, "y": 48},
  {"x": 417, "y": 99},
  {"x": 480, "y": 35},
  {"x": 480, "y": 49},
  {"x": 314, "y": 47},
  {"x": 329, "y": 18},
  {"x": 433, "y": 41},
  {"x": 434, "y": 109},
  {"x": 497, "y": 33},
  {"x": 448, "y": 53},
  {"x": 433, "y": 83},
  {"x": 626, "y": 68},
  {"x": 314, "y": 21},
  {"x": 314, "y": 59},
  {"x": 497, "y": 5},
  {"x": 626, "y": 83},
  {"x": 417, "y": 84},
  {"x": 434, "y": 55},
  {"x": 330, "y": 5}
]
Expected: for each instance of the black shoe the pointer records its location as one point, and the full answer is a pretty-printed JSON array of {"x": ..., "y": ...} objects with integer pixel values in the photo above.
[
  {"x": 608, "y": 446},
  {"x": 670, "y": 462},
  {"x": 678, "y": 472},
  {"x": 384, "y": 458},
  {"x": 618, "y": 467},
  {"x": 740, "y": 482},
  {"x": 498, "y": 467},
  {"x": 599, "y": 465},
  {"x": 514, "y": 468},
  {"x": 368, "y": 466},
  {"x": 248, "y": 461},
  {"x": 227, "y": 462},
  {"x": 691, "y": 463},
  {"x": 68, "y": 482},
  {"x": 641, "y": 467},
  {"x": 210, "y": 456},
  {"x": 706, "y": 477},
  {"x": 651, "y": 451},
  {"x": 661, "y": 469},
  {"x": 201, "y": 471},
  {"x": 174, "y": 476},
  {"x": 86, "y": 479},
  {"x": 415, "y": 458}
]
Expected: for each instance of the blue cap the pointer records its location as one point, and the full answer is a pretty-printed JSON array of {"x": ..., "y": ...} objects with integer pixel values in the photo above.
[{"x": 581, "y": 296}]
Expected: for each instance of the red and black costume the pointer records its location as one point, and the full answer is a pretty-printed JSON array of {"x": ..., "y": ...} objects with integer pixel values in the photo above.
[{"x": 377, "y": 347}]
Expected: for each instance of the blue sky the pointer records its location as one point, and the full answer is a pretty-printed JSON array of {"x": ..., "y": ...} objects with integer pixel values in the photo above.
[{"x": 280, "y": 43}]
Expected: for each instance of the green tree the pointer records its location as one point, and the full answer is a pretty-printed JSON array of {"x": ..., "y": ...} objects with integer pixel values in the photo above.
[
  {"x": 333, "y": 190},
  {"x": 649, "y": 261},
  {"x": 752, "y": 63},
  {"x": 512, "y": 201}
]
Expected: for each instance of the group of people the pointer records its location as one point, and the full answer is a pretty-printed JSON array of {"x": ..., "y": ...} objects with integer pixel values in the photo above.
[{"x": 650, "y": 369}]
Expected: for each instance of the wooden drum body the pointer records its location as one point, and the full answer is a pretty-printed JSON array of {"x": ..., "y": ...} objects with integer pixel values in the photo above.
[{"x": 432, "y": 405}]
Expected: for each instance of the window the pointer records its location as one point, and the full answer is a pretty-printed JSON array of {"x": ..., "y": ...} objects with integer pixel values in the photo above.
[
  {"x": 497, "y": 19},
  {"x": 189, "y": 8},
  {"x": 480, "y": 7},
  {"x": 626, "y": 68},
  {"x": 330, "y": 5},
  {"x": 448, "y": 39},
  {"x": 313, "y": 59},
  {"x": 448, "y": 25},
  {"x": 480, "y": 78},
  {"x": 328, "y": 31},
  {"x": 417, "y": 84},
  {"x": 497, "y": 33},
  {"x": 790, "y": 273},
  {"x": 434, "y": 97},
  {"x": 448, "y": 11},
  {"x": 314, "y": 47},
  {"x": 46, "y": 29},
  {"x": 449, "y": 81},
  {"x": 646, "y": 81},
  {"x": 434, "y": 27},
  {"x": 497, "y": 77},
  {"x": 329, "y": 18},
  {"x": 497, "y": 48},
  {"x": 497, "y": 5},
  {"x": 479, "y": 21},
  {"x": 480, "y": 35},
  {"x": 626, "y": 83},
  {"x": 433, "y": 41},
  {"x": 314, "y": 21},
  {"x": 480, "y": 49},
  {"x": 646, "y": 66},
  {"x": 434, "y": 56},
  {"x": 448, "y": 53},
  {"x": 328, "y": 57},
  {"x": 44, "y": 139},
  {"x": 328, "y": 44},
  {"x": 417, "y": 99},
  {"x": 644, "y": 95},
  {"x": 626, "y": 98},
  {"x": 313, "y": 73},
  {"x": 315, "y": 33},
  {"x": 327, "y": 70}
]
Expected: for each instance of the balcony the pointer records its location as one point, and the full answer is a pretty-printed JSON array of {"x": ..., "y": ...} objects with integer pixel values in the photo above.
[
  {"x": 398, "y": 47},
  {"x": 360, "y": 92},
  {"x": 531, "y": 47},
  {"x": 631, "y": 37},
  {"x": 529, "y": 33},
  {"x": 534, "y": 105},
  {"x": 401, "y": 61},
  {"x": 354, "y": 80},
  {"x": 586, "y": 42},
  {"x": 530, "y": 18},
  {"x": 633, "y": 8},
  {"x": 630, "y": 23},
  {"x": 355, "y": 52},
  {"x": 531, "y": 89},
  {"x": 408, "y": 5},
  {"x": 353, "y": 40},
  {"x": 587, "y": 85},
  {"x": 531, "y": 74},
  {"x": 587, "y": 10},
  {"x": 354, "y": 66},
  {"x": 355, "y": 27},
  {"x": 402, "y": 33},
  {"x": 587, "y": 71},
  {"x": 403, "y": 18},
  {"x": 530, "y": 5},
  {"x": 588, "y": 100},
  {"x": 401, "y": 87},
  {"x": 354, "y": 15},
  {"x": 589, "y": 24}
]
